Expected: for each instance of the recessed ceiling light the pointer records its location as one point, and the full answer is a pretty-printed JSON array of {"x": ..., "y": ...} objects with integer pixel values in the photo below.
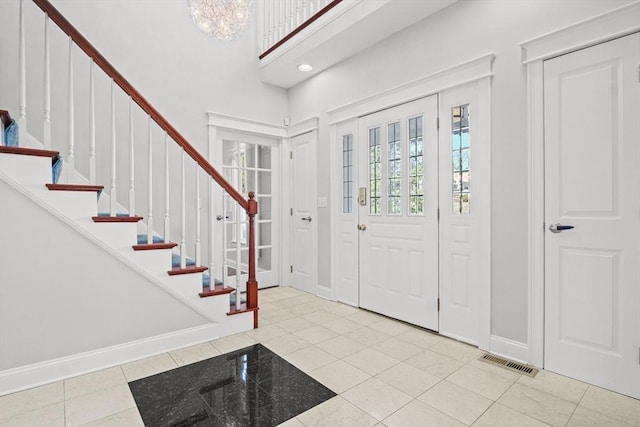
[{"x": 305, "y": 68}]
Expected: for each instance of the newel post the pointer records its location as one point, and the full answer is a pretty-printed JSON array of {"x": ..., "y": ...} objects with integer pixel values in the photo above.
[{"x": 252, "y": 283}]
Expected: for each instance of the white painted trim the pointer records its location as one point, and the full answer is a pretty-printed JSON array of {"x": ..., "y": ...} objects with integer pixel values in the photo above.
[
  {"x": 303, "y": 126},
  {"x": 17, "y": 379},
  {"x": 607, "y": 26},
  {"x": 246, "y": 125},
  {"x": 510, "y": 349},
  {"x": 465, "y": 72}
]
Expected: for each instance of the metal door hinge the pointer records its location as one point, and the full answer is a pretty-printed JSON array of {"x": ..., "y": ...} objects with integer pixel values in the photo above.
[
  {"x": 438, "y": 123},
  {"x": 291, "y": 268},
  {"x": 438, "y": 214},
  {"x": 291, "y": 155},
  {"x": 291, "y": 212},
  {"x": 438, "y": 304}
]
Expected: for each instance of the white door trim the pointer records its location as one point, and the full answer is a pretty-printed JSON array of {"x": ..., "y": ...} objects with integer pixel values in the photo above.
[
  {"x": 478, "y": 70},
  {"x": 607, "y": 26}
]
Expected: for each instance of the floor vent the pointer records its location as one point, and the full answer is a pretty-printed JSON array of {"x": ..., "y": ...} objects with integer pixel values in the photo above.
[{"x": 509, "y": 364}]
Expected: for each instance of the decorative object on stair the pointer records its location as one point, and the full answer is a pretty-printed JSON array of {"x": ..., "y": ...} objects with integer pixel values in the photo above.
[{"x": 221, "y": 19}]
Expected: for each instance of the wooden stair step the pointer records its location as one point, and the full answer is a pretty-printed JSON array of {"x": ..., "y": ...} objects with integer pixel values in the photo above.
[
  {"x": 28, "y": 151},
  {"x": 75, "y": 187},
  {"x": 243, "y": 309},
  {"x": 217, "y": 290},
  {"x": 187, "y": 270},
  {"x": 117, "y": 218},
  {"x": 154, "y": 246}
]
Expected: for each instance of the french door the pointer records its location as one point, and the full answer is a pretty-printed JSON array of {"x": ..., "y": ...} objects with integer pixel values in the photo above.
[{"x": 397, "y": 204}]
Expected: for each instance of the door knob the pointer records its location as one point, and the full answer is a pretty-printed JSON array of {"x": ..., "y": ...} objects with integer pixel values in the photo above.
[
  {"x": 362, "y": 227},
  {"x": 308, "y": 218},
  {"x": 556, "y": 228}
]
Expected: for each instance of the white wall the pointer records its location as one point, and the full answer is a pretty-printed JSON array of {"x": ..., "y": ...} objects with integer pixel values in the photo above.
[
  {"x": 465, "y": 30},
  {"x": 55, "y": 299}
]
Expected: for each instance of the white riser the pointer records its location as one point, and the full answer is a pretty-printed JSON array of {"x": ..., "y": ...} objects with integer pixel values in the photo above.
[
  {"x": 72, "y": 204},
  {"x": 118, "y": 235},
  {"x": 29, "y": 171},
  {"x": 185, "y": 284},
  {"x": 152, "y": 260}
]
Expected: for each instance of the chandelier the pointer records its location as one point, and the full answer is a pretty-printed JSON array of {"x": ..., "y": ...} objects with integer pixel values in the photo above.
[{"x": 222, "y": 19}]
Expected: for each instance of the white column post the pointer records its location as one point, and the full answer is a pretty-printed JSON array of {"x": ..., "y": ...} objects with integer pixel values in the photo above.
[
  {"x": 22, "y": 83},
  {"x": 70, "y": 168},
  {"x": 225, "y": 237},
  {"x": 47, "y": 87},
  {"x": 132, "y": 182},
  {"x": 149, "y": 183},
  {"x": 92, "y": 126},
  {"x": 112, "y": 193},
  {"x": 183, "y": 214},
  {"x": 198, "y": 254},
  {"x": 167, "y": 182}
]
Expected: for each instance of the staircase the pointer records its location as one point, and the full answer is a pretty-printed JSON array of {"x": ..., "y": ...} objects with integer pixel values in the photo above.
[{"x": 181, "y": 301}]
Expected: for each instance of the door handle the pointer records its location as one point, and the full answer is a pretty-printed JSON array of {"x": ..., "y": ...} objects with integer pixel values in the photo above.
[
  {"x": 556, "y": 228},
  {"x": 308, "y": 218},
  {"x": 362, "y": 227}
]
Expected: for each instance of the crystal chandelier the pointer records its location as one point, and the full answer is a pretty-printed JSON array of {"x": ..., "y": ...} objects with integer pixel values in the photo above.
[{"x": 222, "y": 19}]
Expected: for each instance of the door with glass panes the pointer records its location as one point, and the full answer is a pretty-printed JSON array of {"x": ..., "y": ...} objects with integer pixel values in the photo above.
[
  {"x": 248, "y": 164},
  {"x": 398, "y": 212}
]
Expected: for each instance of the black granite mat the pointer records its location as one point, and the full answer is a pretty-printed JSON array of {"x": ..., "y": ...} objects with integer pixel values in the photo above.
[{"x": 248, "y": 387}]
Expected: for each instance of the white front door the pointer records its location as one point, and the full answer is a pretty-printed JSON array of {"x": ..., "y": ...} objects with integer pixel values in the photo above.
[
  {"x": 398, "y": 222},
  {"x": 303, "y": 213},
  {"x": 592, "y": 184}
]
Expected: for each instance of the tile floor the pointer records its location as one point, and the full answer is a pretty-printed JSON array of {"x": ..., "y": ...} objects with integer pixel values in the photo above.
[{"x": 385, "y": 373}]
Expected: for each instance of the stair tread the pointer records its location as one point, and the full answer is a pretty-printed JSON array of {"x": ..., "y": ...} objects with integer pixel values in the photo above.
[
  {"x": 154, "y": 246},
  {"x": 104, "y": 217},
  {"x": 187, "y": 270},
  {"x": 243, "y": 309},
  {"x": 175, "y": 261},
  {"x": 206, "y": 281},
  {"x": 28, "y": 151},
  {"x": 142, "y": 239},
  {"x": 217, "y": 290},
  {"x": 75, "y": 187}
]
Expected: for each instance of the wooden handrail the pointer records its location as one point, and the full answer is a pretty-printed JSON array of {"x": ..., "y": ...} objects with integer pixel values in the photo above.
[{"x": 99, "y": 60}]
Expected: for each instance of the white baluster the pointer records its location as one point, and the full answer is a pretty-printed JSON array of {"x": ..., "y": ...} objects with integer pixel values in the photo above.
[
  {"x": 183, "y": 214},
  {"x": 312, "y": 10},
  {"x": 132, "y": 182},
  {"x": 198, "y": 207},
  {"x": 210, "y": 224},
  {"x": 70, "y": 167},
  {"x": 225, "y": 237},
  {"x": 149, "y": 184},
  {"x": 265, "y": 25},
  {"x": 92, "y": 126},
  {"x": 47, "y": 87},
  {"x": 22, "y": 83},
  {"x": 305, "y": 10},
  {"x": 298, "y": 13},
  {"x": 286, "y": 13},
  {"x": 167, "y": 221},
  {"x": 112, "y": 193},
  {"x": 238, "y": 255},
  {"x": 279, "y": 18}
]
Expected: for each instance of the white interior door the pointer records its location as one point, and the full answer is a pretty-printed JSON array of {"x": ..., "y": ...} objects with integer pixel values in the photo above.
[
  {"x": 303, "y": 213},
  {"x": 592, "y": 183},
  {"x": 398, "y": 255}
]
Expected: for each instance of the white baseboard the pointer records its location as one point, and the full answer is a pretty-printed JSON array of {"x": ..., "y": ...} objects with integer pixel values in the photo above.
[
  {"x": 510, "y": 349},
  {"x": 17, "y": 379}
]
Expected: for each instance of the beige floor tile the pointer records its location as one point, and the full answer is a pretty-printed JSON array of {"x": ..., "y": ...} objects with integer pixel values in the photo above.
[
  {"x": 316, "y": 334},
  {"x": 268, "y": 332},
  {"x": 456, "y": 350},
  {"x": 367, "y": 336},
  {"x": 341, "y": 346},
  {"x": 50, "y": 416},
  {"x": 481, "y": 382},
  {"x": 365, "y": 317},
  {"x": 336, "y": 412},
  {"x": 408, "y": 379},
  {"x": 420, "y": 338},
  {"x": 377, "y": 398},
  {"x": 434, "y": 363},
  {"x": 149, "y": 366},
  {"x": 392, "y": 327},
  {"x": 320, "y": 317},
  {"x": 341, "y": 309},
  {"x": 233, "y": 342},
  {"x": 293, "y": 422},
  {"x": 129, "y": 418},
  {"x": 496, "y": 370},
  {"x": 396, "y": 348},
  {"x": 92, "y": 382},
  {"x": 295, "y": 324},
  {"x": 614, "y": 405},
  {"x": 195, "y": 353},
  {"x": 371, "y": 361},
  {"x": 457, "y": 402},
  {"x": 309, "y": 359},
  {"x": 558, "y": 385},
  {"x": 342, "y": 325},
  {"x": 275, "y": 317},
  {"x": 501, "y": 416},
  {"x": 340, "y": 376},
  {"x": 286, "y": 344},
  {"x": 417, "y": 414},
  {"x": 101, "y": 404},
  {"x": 537, "y": 404},
  {"x": 584, "y": 417},
  {"x": 30, "y": 400}
]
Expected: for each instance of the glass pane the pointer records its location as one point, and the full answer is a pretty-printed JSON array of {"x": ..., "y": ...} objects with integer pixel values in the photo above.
[
  {"x": 264, "y": 157},
  {"x": 264, "y": 259},
  {"x": 263, "y": 234},
  {"x": 416, "y": 166},
  {"x": 394, "y": 201},
  {"x": 264, "y": 208},
  {"x": 264, "y": 182},
  {"x": 460, "y": 155},
  {"x": 375, "y": 171},
  {"x": 347, "y": 173}
]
